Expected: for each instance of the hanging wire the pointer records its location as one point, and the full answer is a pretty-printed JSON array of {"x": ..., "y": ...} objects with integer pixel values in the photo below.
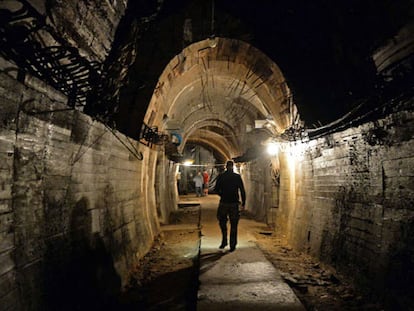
[
  {"x": 80, "y": 154},
  {"x": 137, "y": 154},
  {"x": 346, "y": 121},
  {"x": 212, "y": 17},
  {"x": 203, "y": 165}
]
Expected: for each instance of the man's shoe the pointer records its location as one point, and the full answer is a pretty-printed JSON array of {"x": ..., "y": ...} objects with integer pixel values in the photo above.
[
  {"x": 232, "y": 249},
  {"x": 222, "y": 245}
]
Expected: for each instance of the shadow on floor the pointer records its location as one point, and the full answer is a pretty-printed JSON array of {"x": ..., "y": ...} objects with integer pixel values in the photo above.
[
  {"x": 209, "y": 259},
  {"x": 172, "y": 291}
]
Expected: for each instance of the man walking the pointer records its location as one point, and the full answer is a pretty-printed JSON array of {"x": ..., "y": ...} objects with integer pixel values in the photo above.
[{"x": 227, "y": 187}]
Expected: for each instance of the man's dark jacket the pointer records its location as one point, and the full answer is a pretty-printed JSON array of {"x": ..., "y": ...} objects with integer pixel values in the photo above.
[{"x": 228, "y": 185}]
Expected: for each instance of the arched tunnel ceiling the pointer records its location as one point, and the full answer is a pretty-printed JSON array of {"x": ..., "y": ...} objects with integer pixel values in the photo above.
[
  {"x": 214, "y": 141},
  {"x": 218, "y": 129},
  {"x": 221, "y": 83}
]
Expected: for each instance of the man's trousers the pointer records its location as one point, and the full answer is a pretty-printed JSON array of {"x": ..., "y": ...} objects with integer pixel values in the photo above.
[{"x": 228, "y": 211}]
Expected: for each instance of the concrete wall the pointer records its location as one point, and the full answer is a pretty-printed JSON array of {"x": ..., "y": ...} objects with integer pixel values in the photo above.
[
  {"x": 77, "y": 209},
  {"x": 348, "y": 197},
  {"x": 165, "y": 188},
  {"x": 256, "y": 177}
]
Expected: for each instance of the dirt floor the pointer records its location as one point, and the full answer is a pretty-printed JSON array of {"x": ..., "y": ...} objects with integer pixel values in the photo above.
[
  {"x": 167, "y": 277},
  {"x": 318, "y": 286}
]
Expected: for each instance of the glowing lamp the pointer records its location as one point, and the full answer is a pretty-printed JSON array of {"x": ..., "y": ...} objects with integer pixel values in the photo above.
[
  {"x": 272, "y": 148},
  {"x": 188, "y": 162}
]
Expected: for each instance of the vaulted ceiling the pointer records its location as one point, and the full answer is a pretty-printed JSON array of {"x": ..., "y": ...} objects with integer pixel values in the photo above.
[{"x": 217, "y": 88}]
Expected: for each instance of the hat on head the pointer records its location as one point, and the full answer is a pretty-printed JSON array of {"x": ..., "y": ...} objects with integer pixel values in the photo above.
[{"x": 229, "y": 164}]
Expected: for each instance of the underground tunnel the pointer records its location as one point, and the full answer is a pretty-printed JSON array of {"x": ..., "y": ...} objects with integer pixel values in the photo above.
[{"x": 109, "y": 108}]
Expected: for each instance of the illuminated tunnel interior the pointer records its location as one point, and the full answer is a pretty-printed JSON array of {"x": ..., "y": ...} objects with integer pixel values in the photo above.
[{"x": 109, "y": 108}]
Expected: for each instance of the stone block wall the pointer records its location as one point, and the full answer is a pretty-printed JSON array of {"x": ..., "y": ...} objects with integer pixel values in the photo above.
[
  {"x": 348, "y": 197},
  {"x": 165, "y": 188},
  {"x": 257, "y": 181},
  {"x": 77, "y": 209}
]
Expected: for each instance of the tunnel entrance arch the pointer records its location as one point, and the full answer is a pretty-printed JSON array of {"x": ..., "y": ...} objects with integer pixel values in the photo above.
[
  {"x": 231, "y": 78},
  {"x": 214, "y": 93}
]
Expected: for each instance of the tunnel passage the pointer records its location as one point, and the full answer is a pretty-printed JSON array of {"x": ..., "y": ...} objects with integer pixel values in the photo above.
[
  {"x": 212, "y": 94},
  {"x": 345, "y": 196},
  {"x": 221, "y": 86}
]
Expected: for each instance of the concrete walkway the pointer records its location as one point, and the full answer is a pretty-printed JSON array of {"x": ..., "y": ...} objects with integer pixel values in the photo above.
[{"x": 239, "y": 280}]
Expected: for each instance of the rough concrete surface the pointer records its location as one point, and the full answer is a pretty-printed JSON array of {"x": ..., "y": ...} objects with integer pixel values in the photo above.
[{"x": 243, "y": 279}]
